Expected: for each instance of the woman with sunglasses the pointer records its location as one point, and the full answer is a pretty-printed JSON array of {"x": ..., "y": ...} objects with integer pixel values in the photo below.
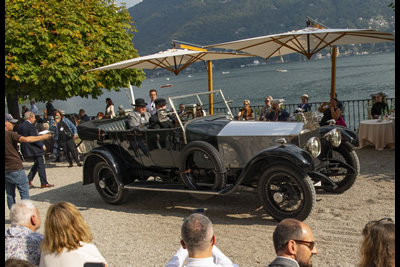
[
  {"x": 246, "y": 113},
  {"x": 378, "y": 245}
]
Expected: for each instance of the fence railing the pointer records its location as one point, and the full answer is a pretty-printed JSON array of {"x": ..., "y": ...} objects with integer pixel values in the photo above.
[{"x": 354, "y": 110}]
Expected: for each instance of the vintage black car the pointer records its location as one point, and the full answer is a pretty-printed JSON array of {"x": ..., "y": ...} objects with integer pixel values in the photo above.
[{"x": 213, "y": 154}]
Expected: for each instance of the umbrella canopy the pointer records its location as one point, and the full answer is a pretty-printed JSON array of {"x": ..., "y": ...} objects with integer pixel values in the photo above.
[
  {"x": 307, "y": 41},
  {"x": 174, "y": 60}
]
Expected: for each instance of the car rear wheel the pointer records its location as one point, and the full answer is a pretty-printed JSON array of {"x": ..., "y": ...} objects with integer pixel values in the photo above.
[
  {"x": 286, "y": 192},
  {"x": 201, "y": 167},
  {"x": 107, "y": 185},
  {"x": 339, "y": 175}
]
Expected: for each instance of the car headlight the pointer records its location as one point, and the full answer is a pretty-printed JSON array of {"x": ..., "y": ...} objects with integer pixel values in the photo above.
[
  {"x": 313, "y": 146},
  {"x": 334, "y": 137}
]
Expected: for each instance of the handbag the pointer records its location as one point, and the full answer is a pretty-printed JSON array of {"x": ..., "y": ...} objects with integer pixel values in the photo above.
[
  {"x": 67, "y": 131},
  {"x": 341, "y": 122}
]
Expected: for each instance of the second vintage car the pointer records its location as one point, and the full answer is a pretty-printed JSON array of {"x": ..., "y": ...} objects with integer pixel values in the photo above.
[{"x": 212, "y": 154}]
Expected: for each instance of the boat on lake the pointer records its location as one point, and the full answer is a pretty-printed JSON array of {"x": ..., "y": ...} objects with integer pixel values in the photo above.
[
  {"x": 281, "y": 70},
  {"x": 167, "y": 85}
]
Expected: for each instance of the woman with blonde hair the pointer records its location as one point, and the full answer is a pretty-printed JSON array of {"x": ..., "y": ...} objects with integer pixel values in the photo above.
[
  {"x": 246, "y": 113},
  {"x": 378, "y": 245},
  {"x": 67, "y": 238}
]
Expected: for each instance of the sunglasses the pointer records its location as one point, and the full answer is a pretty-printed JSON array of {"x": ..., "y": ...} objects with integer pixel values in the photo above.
[
  {"x": 246, "y": 104},
  {"x": 267, "y": 101},
  {"x": 376, "y": 221},
  {"x": 309, "y": 244}
]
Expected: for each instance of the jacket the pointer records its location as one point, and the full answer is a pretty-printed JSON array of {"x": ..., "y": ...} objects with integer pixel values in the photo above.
[
  {"x": 30, "y": 149},
  {"x": 69, "y": 123}
]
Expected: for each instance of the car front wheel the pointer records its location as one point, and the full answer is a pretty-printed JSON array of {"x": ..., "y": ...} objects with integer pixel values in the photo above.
[
  {"x": 107, "y": 185},
  {"x": 286, "y": 192}
]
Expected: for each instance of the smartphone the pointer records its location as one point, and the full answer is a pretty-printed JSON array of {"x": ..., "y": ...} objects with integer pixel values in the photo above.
[
  {"x": 200, "y": 210},
  {"x": 94, "y": 264}
]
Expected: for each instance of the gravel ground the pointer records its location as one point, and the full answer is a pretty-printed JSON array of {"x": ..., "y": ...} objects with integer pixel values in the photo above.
[{"x": 145, "y": 230}]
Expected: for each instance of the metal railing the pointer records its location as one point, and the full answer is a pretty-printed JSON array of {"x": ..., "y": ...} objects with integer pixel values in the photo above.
[{"x": 354, "y": 110}]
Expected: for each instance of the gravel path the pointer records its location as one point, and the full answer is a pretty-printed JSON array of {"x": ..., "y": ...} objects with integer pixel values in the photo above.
[{"x": 145, "y": 231}]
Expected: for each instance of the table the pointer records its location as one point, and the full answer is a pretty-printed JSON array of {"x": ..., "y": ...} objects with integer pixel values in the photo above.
[{"x": 379, "y": 133}]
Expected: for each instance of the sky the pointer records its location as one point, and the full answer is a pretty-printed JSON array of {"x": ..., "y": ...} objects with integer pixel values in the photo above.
[{"x": 128, "y": 3}]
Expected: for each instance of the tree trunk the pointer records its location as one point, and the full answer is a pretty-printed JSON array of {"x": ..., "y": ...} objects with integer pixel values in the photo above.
[{"x": 13, "y": 107}]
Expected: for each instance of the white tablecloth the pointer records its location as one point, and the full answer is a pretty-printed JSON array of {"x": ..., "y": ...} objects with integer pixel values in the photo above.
[{"x": 379, "y": 133}]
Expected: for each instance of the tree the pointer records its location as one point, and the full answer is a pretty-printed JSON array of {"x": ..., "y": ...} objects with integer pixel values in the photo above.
[{"x": 49, "y": 44}]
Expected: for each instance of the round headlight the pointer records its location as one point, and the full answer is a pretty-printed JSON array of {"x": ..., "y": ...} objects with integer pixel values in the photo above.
[
  {"x": 313, "y": 146},
  {"x": 334, "y": 137}
]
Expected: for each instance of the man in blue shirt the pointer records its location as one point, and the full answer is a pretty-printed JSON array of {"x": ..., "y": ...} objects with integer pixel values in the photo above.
[{"x": 34, "y": 108}]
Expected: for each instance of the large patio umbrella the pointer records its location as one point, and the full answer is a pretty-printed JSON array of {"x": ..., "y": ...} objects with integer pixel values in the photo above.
[
  {"x": 174, "y": 60},
  {"x": 307, "y": 41}
]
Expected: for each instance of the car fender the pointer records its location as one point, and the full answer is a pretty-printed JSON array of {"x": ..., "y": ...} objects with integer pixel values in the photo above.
[
  {"x": 291, "y": 154},
  {"x": 108, "y": 154},
  {"x": 347, "y": 134}
]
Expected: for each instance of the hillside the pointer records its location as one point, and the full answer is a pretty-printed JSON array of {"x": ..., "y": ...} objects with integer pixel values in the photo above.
[{"x": 206, "y": 22}]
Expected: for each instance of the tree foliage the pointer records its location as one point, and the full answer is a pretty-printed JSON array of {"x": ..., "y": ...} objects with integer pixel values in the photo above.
[{"x": 50, "y": 44}]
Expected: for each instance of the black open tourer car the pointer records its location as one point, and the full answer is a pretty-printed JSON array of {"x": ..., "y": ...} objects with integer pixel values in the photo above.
[{"x": 213, "y": 154}]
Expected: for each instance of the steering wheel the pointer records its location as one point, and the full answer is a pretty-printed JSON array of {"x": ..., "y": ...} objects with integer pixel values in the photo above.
[{"x": 185, "y": 117}]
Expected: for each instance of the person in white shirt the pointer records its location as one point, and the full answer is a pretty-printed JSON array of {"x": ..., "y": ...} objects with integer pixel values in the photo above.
[
  {"x": 67, "y": 238},
  {"x": 198, "y": 242},
  {"x": 151, "y": 106}
]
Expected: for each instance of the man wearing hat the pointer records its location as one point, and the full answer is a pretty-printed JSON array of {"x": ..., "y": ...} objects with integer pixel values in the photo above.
[
  {"x": 139, "y": 115},
  {"x": 15, "y": 176},
  {"x": 304, "y": 104},
  {"x": 154, "y": 122}
]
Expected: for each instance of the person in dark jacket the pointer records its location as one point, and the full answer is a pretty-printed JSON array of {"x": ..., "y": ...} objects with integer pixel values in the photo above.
[
  {"x": 294, "y": 244},
  {"x": 36, "y": 150},
  {"x": 50, "y": 110},
  {"x": 379, "y": 107},
  {"x": 276, "y": 113},
  {"x": 65, "y": 132},
  {"x": 83, "y": 116},
  {"x": 155, "y": 123}
]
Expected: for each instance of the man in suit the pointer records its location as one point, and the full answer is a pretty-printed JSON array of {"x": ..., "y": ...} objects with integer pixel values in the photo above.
[
  {"x": 36, "y": 150},
  {"x": 139, "y": 115},
  {"x": 294, "y": 244},
  {"x": 155, "y": 123}
]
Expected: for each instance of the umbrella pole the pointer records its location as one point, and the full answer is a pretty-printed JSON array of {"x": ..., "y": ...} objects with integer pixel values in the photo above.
[
  {"x": 210, "y": 87},
  {"x": 132, "y": 96},
  {"x": 333, "y": 75}
]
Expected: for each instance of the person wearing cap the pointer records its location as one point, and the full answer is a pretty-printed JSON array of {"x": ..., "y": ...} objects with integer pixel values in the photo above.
[
  {"x": 139, "y": 115},
  {"x": 35, "y": 150},
  {"x": 304, "y": 106},
  {"x": 15, "y": 176},
  {"x": 276, "y": 113},
  {"x": 154, "y": 122}
]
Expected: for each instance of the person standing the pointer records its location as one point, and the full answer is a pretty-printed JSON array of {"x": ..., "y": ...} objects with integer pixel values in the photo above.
[
  {"x": 21, "y": 240},
  {"x": 294, "y": 244},
  {"x": 198, "y": 242},
  {"x": 36, "y": 150},
  {"x": 109, "y": 114},
  {"x": 34, "y": 108},
  {"x": 15, "y": 176},
  {"x": 50, "y": 110},
  {"x": 65, "y": 133},
  {"x": 67, "y": 238},
  {"x": 151, "y": 106}
]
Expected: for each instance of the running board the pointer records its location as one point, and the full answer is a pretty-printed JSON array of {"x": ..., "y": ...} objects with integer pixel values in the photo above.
[{"x": 169, "y": 187}]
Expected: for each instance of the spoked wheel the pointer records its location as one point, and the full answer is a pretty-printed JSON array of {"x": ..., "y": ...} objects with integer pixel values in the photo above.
[
  {"x": 339, "y": 174},
  {"x": 286, "y": 192},
  {"x": 106, "y": 184},
  {"x": 201, "y": 168}
]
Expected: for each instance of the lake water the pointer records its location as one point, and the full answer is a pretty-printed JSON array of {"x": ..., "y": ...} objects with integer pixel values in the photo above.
[{"x": 356, "y": 78}]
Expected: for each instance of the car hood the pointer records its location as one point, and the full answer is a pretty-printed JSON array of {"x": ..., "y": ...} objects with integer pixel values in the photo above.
[{"x": 261, "y": 128}]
